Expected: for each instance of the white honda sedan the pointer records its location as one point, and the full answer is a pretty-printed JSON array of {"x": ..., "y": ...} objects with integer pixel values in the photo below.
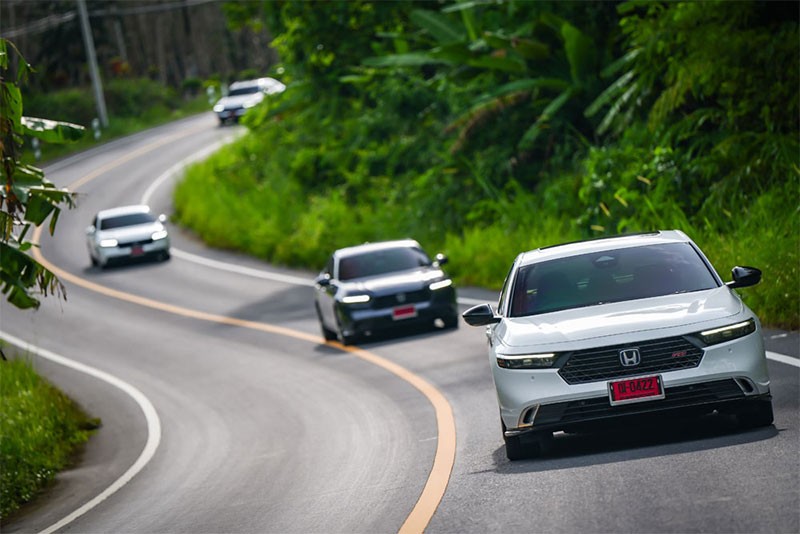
[
  {"x": 125, "y": 233},
  {"x": 610, "y": 331}
]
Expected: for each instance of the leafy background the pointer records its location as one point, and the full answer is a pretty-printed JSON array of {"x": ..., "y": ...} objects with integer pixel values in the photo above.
[{"x": 484, "y": 129}]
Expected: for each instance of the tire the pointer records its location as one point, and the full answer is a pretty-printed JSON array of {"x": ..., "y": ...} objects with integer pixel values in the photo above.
[
  {"x": 347, "y": 340},
  {"x": 94, "y": 261},
  {"x": 515, "y": 450},
  {"x": 450, "y": 323},
  {"x": 529, "y": 445},
  {"x": 329, "y": 335},
  {"x": 758, "y": 414}
]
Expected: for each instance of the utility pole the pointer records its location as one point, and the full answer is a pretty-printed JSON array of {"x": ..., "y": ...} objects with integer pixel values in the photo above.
[{"x": 91, "y": 58}]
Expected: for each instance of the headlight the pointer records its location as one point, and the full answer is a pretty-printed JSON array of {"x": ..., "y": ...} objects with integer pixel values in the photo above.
[
  {"x": 218, "y": 108},
  {"x": 727, "y": 333},
  {"x": 526, "y": 361},
  {"x": 355, "y": 299},
  {"x": 441, "y": 284},
  {"x": 108, "y": 243},
  {"x": 161, "y": 234}
]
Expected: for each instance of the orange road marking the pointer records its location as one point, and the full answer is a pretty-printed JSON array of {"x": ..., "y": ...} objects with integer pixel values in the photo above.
[{"x": 444, "y": 457}]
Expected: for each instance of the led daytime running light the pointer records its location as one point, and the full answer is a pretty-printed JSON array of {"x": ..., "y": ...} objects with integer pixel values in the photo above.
[
  {"x": 727, "y": 333},
  {"x": 441, "y": 284},
  {"x": 355, "y": 299},
  {"x": 526, "y": 361}
]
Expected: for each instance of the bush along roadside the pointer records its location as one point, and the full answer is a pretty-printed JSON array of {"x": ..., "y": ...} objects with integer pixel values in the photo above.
[{"x": 41, "y": 430}]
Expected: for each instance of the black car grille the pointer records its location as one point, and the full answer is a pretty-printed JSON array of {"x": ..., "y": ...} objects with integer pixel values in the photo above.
[
  {"x": 398, "y": 299},
  {"x": 134, "y": 243},
  {"x": 658, "y": 355},
  {"x": 675, "y": 397}
]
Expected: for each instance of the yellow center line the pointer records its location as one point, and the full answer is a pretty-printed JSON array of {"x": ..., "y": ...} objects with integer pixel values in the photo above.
[
  {"x": 444, "y": 457},
  {"x": 128, "y": 157}
]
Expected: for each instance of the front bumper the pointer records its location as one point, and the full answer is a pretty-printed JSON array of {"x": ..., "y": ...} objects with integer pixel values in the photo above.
[
  {"x": 728, "y": 374},
  {"x": 106, "y": 255},
  {"x": 359, "y": 321},
  {"x": 228, "y": 114}
]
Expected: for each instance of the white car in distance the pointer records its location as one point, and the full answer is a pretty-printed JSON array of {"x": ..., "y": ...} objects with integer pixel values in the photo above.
[
  {"x": 243, "y": 95},
  {"x": 617, "y": 330},
  {"x": 127, "y": 233}
]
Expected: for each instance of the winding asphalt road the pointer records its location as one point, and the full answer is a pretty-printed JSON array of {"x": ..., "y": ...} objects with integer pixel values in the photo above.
[{"x": 224, "y": 411}]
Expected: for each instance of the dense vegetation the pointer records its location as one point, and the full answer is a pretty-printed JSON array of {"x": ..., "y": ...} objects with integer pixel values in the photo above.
[
  {"x": 40, "y": 428},
  {"x": 133, "y": 105},
  {"x": 486, "y": 129}
]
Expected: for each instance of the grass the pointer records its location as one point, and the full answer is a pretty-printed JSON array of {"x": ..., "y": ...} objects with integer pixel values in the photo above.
[
  {"x": 118, "y": 127},
  {"x": 260, "y": 210},
  {"x": 40, "y": 431}
]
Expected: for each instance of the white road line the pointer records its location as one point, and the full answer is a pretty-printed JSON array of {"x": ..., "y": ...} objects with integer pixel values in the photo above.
[
  {"x": 788, "y": 360},
  {"x": 150, "y": 414},
  {"x": 257, "y": 273},
  {"x": 230, "y": 267},
  {"x": 181, "y": 165}
]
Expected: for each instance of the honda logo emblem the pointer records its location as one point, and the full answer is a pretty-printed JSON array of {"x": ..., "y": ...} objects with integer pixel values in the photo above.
[{"x": 630, "y": 357}]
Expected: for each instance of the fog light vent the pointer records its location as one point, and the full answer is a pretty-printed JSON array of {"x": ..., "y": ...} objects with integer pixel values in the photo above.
[{"x": 745, "y": 385}]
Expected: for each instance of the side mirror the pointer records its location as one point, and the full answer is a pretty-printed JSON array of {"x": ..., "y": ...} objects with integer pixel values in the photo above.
[
  {"x": 90, "y": 230},
  {"x": 744, "y": 277},
  {"x": 323, "y": 280},
  {"x": 162, "y": 218},
  {"x": 440, "y": 259},
  {"x": 480, "y": 315}
]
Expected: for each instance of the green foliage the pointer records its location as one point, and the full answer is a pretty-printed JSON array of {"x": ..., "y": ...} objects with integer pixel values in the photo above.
[
  {"x": 40, "y": 429},
  {"x": 27, "y": 198},
  {"x": 125, "y": 98},
  {"x": 464, "y": 126}
]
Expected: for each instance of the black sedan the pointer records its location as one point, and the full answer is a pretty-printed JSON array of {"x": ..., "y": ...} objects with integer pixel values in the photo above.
[{"x": 382, "y": 286}]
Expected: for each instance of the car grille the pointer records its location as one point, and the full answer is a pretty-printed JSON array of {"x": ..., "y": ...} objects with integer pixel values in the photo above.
[
  {"x": 604, "y": 363},
  {"x": 675, "y": 397},
  {"x": 389, "y": 301},
  {"x": 134, "y": 243}
]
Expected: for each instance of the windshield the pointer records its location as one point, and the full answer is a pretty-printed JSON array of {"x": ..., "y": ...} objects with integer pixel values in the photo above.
[
  {"x": 247, "y": 90},
  {"x": 131, "y": 219},
  {"x": 610, "y": 276},
  {"x": 381, "y": 262}
]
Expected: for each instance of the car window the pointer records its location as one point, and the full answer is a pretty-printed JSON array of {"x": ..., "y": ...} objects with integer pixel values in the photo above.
[
  {"x": 131, "y": 219},
  {"x": 381, "y": 262},
  {"x": 610, "y": 276},
  {"x": 247, "y": 90}
]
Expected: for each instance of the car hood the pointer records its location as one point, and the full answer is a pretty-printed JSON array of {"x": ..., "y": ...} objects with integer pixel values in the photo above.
[
  {"x": 619, "y": 318},
  {"x": 130, "y": 233},
  {"x": 239, "y": 100},
  {"x": 391, "y": 283}
]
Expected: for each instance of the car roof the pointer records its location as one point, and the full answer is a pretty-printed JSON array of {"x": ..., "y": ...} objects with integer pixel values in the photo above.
[
  {"x": 380, "y": 245},
  {"x": 605, "y": 243},
  {"x": 123, "y": 210},
  {"x": 265, "y": 82}
]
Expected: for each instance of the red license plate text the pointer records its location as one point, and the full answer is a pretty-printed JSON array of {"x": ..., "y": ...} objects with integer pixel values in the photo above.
[
  {"x": 639, "y": 389},
  {"x": 404, "y": 312}
]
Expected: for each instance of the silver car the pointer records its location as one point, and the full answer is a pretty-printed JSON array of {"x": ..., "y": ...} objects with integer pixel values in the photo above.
[
  {"x": 244, "y": 95},
  {"x": 616, "y": 330},
  {"x": 126, "y": 233}
]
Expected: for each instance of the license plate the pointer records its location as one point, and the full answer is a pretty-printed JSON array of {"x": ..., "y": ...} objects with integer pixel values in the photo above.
[
  {"x": 137, "y": 250},
  {"x": 404, "y": 312},
  {"x": 639, "y": 389}
]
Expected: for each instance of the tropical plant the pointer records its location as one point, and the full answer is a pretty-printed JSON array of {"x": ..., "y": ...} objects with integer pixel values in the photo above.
[
  {"x": 27, "y": 198},
  {"x": 529, "y": 63}
]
